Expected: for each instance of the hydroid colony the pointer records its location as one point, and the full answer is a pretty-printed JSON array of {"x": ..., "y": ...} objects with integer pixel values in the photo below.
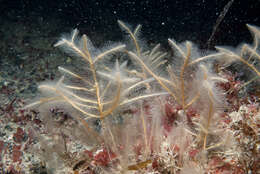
[{"x": 156, "y": 113}]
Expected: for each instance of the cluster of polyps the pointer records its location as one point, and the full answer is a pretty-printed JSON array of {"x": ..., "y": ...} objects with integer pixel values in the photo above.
[{"x": 155, "y": 108}]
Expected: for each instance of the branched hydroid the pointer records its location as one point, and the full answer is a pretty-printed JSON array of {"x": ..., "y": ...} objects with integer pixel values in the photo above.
[{"x": 159, "y": 111}]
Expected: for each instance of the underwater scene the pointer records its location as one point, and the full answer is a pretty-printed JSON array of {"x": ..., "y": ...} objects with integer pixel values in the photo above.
[{"x": 130, "y": 87}]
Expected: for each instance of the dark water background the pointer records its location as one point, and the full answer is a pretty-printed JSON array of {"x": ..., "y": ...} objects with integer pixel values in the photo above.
[{"x": 179, "y": 19}]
